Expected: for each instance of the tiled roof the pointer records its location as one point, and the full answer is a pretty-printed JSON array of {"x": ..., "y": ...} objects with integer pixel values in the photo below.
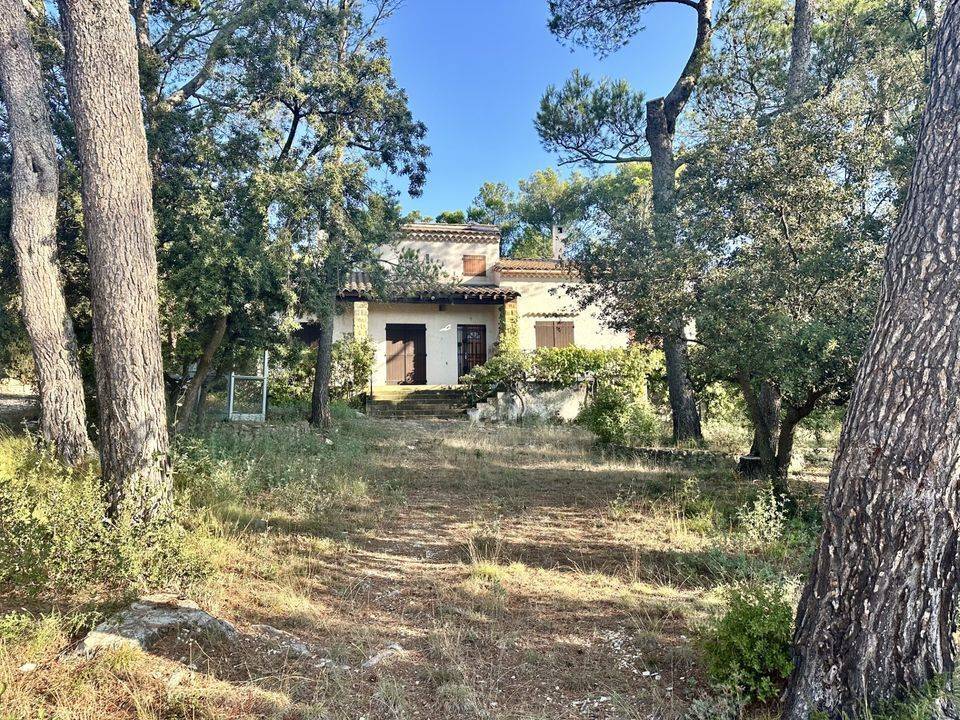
[
  {"x": 360, "y": 286},
  {"x": 537, "y": 266},
  {"x": 358, "y": 283},
  {"x": 440, "y": 232}
]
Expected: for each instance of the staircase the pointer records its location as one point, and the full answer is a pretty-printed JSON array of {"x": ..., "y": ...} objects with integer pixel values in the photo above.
[{"x": 417, "y": 401}]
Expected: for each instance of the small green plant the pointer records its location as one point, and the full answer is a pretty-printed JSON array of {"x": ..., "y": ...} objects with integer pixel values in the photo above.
[
  {"x": 723, "y": 702},
  {"x": 748, "y": 646},
  {"x": 622, "y": 505},
  {"x": 763, "y": 520}
]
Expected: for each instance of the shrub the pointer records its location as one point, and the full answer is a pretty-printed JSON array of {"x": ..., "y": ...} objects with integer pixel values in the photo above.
[
  {"x": 351, "y": 365},
  {"x": 617, "y": 417},
  {"x": 748, "y": 646},
  {"x": 626, "y": 368},
  {"x": 763, "y": 521},
  {"x": 501, "y": 372},
  {"x": 55, "y": 537}
]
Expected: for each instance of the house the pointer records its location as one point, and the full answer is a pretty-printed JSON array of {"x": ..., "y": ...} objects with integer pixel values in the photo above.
[{"x": 436, "y": 338}]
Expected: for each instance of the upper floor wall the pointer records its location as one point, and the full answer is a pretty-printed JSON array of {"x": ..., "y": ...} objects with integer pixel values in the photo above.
[{"x": 466, "y": 252}]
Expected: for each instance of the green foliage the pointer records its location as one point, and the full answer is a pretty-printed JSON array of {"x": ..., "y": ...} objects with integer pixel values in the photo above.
[
  {"x": 763, "y": 520},
  {"x": 504, "y": 371},
  {"x": 351, "y": 365},
  {"x": 526, "y": 218},
  {"x": 617, "y": 416},
  {"x": 55, "y": 538},
  {"x": 618, "y": 412},
  {"x": 593, "y": 122},
  {"x": 564, "y": 367},
  {"x": 748, "y": 646},
  {"x": 452, "y": 217}
]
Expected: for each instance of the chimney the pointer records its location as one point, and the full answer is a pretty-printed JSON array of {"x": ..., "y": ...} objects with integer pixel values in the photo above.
[{"x": 558, "y": 236}]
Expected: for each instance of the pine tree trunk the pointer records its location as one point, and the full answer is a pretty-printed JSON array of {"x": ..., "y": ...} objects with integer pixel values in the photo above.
[
  {"x": 33, "y": 228},
  {"x": 683, "y": 400},
  {"x": 102, "y": 82},
  {"x": 878, "y": 613},
  {"x": 800, "y": 49},
  {"x": 192, "y": 393},
  {"x": 320, "y": 402}
]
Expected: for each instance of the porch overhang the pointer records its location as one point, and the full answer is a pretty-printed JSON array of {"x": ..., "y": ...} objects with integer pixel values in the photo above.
[{"x": 359, "y": 288}]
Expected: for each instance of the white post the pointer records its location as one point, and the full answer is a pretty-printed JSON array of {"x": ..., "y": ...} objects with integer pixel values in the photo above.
[
  {"x": 230, "y": 397},
  {"x": 266, "y": 376}
]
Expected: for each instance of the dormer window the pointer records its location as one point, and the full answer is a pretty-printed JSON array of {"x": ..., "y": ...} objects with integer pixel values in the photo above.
[{"x": 474, "y": 266}]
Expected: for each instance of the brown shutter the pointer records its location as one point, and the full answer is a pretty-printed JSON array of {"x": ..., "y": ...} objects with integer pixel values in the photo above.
[
  {"x": 474, "y": 265},
  {"x": 563, "y": 334},
  {"x": 544, "y": 334}
]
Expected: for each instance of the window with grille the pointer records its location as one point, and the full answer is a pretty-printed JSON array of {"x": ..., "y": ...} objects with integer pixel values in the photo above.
[
  {"x": 554, "y": 333},
  {"x": 474, "y": 265}
]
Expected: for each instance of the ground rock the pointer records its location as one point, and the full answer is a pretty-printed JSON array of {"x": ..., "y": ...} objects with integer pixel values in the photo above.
[
  {"x": 387, "y": 652},
  {"x": 144, "y": 622},
  {"x": 289, "y": 641}
]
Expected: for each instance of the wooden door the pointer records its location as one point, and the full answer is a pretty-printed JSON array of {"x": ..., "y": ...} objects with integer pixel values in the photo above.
[
  {"x": 406, "y": 354},
  {"x": 471, "y": 347}
]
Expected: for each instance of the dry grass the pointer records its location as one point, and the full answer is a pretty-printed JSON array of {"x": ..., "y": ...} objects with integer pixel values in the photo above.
[{"x": 522, "y": 573}]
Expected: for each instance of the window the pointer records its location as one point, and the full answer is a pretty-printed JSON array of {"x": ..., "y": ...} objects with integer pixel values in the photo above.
[
  {"x": 554, "y": 333},
  {"x": 474, "y": 265}
]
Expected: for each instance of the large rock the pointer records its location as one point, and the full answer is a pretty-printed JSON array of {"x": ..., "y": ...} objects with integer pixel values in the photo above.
[{"x": 146, "y": 621}]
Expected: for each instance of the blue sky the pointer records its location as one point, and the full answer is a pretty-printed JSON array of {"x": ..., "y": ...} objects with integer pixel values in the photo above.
[{"x": 475, "y": 71}]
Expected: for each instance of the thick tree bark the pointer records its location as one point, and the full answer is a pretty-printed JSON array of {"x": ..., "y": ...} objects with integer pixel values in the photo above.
[
  {"x": 102, "y": 82},
  {"x": 767, "y": 431},
  {"x": 878, "y": 613},
  {"x": 800, "y": 49},
  {"x": 320, "y": 402},
  {"x": 192, "y": 392},
  {"x": 33, "y": 227},
  {"x": 662, "y": 114}
]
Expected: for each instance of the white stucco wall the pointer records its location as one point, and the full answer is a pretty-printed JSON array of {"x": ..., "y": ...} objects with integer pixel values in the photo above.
[
  {"x": 343, "y": 320},
  {"x": 450, "y": 255},
  {"x": 546, "y": 300},
  {"x": 441, "y": 334}
]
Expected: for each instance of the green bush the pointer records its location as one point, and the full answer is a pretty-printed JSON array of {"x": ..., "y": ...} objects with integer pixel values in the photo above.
[
  {"x": 564, "y": 367},
  {"x": 748, "y": 646},
  {"x": 617, "y": 416},
  {"x": 55, "y": 537},
  {"x": 351, "y": 365},
  {"x": 501, "y": 372}
]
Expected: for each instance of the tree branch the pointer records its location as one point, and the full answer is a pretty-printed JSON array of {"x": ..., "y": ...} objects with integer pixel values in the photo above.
[{"x": 214, "y": 53}]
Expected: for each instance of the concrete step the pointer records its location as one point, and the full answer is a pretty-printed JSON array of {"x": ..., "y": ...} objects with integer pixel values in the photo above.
[
  {"x": 410, "y": 401},
  {"x": 420, "y": 414},
  {"x": 420, "y": 402},
  {"x": 417, "y": 395}
]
